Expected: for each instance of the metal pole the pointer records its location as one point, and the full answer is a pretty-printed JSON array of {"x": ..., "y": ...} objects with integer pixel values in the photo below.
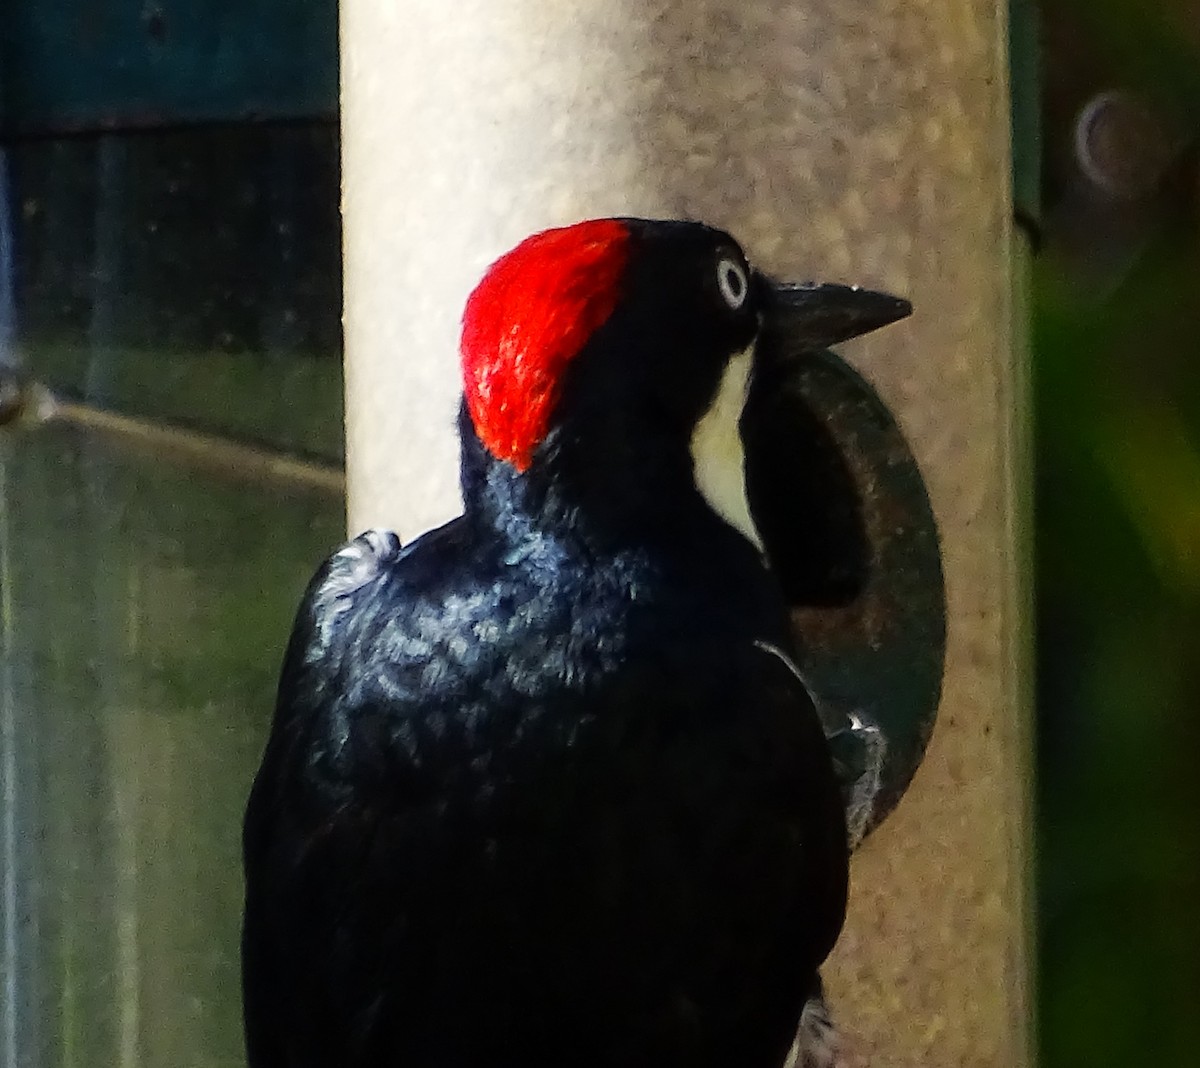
[{"x": 865, "y": 142}]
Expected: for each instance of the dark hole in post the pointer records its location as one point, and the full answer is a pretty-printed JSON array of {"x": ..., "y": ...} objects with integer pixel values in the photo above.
[
  {"x": 803, "y": 499},
  {"x": 845, "y": 518}
]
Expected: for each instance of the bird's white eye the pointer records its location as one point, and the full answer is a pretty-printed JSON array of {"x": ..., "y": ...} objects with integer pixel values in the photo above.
[{"x": 732, "y": 280}]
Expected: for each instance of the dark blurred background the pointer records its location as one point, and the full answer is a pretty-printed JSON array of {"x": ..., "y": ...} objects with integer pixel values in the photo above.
[{"x": 1116, "y": 360}]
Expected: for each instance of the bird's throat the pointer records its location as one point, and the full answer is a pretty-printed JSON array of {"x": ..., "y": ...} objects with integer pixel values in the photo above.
[{"x": 718, "y": 457}]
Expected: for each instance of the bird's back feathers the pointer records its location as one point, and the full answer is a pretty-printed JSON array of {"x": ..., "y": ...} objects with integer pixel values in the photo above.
[{"x": 521, "y": 806}]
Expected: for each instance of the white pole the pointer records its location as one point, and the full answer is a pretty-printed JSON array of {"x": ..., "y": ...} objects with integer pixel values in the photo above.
[{"x": 865, "y": 142}]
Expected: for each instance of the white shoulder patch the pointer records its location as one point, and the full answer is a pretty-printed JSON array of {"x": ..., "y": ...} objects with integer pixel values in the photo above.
[
  {"x": 357, "y": 562},
  {"x": 354, "y": 565},
  {"x": 718, "y": 458}
]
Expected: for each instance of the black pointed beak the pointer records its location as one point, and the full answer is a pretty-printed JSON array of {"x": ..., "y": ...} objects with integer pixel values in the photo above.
[{"x": 813, "y": 316}]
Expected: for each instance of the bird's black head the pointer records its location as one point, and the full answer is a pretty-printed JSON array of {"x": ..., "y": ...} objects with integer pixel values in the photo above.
[{"x": 608, "y": 363}]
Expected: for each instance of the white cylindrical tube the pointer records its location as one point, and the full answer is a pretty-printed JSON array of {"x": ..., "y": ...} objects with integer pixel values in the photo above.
[{"x": 859, "y": 142}]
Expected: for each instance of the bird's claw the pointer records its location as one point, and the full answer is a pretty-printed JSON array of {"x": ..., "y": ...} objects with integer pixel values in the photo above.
[{"x": 859, "y": 752}]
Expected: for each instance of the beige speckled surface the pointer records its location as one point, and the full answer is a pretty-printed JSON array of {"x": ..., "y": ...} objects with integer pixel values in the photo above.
[{"x": 862, "y": 142}]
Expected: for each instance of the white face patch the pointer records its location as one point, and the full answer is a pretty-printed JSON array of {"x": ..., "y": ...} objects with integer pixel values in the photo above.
[{"x": 718, "y": 459}]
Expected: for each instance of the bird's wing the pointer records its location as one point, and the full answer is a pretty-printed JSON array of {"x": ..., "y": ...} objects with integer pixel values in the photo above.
[
  {"x": 325, "y": 816},
  {"x": 675, "y": 824},
  {"x": 736, "y": 742}
]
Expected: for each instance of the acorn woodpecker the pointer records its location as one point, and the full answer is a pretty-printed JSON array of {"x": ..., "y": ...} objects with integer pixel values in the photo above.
[{"x": 543, "y": 786}]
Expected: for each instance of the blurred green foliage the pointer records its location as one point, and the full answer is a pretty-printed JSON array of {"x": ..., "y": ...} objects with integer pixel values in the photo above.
[
  {"x": 1117, "y": 389},
  {"x": 1118, "y": 639}
]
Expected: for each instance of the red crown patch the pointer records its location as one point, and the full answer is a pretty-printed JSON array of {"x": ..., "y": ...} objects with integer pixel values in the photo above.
[{"x": 534, "y": 310}]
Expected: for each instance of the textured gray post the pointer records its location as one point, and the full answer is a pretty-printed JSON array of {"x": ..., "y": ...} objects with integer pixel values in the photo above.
[{"x": 864, "y": 142}]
